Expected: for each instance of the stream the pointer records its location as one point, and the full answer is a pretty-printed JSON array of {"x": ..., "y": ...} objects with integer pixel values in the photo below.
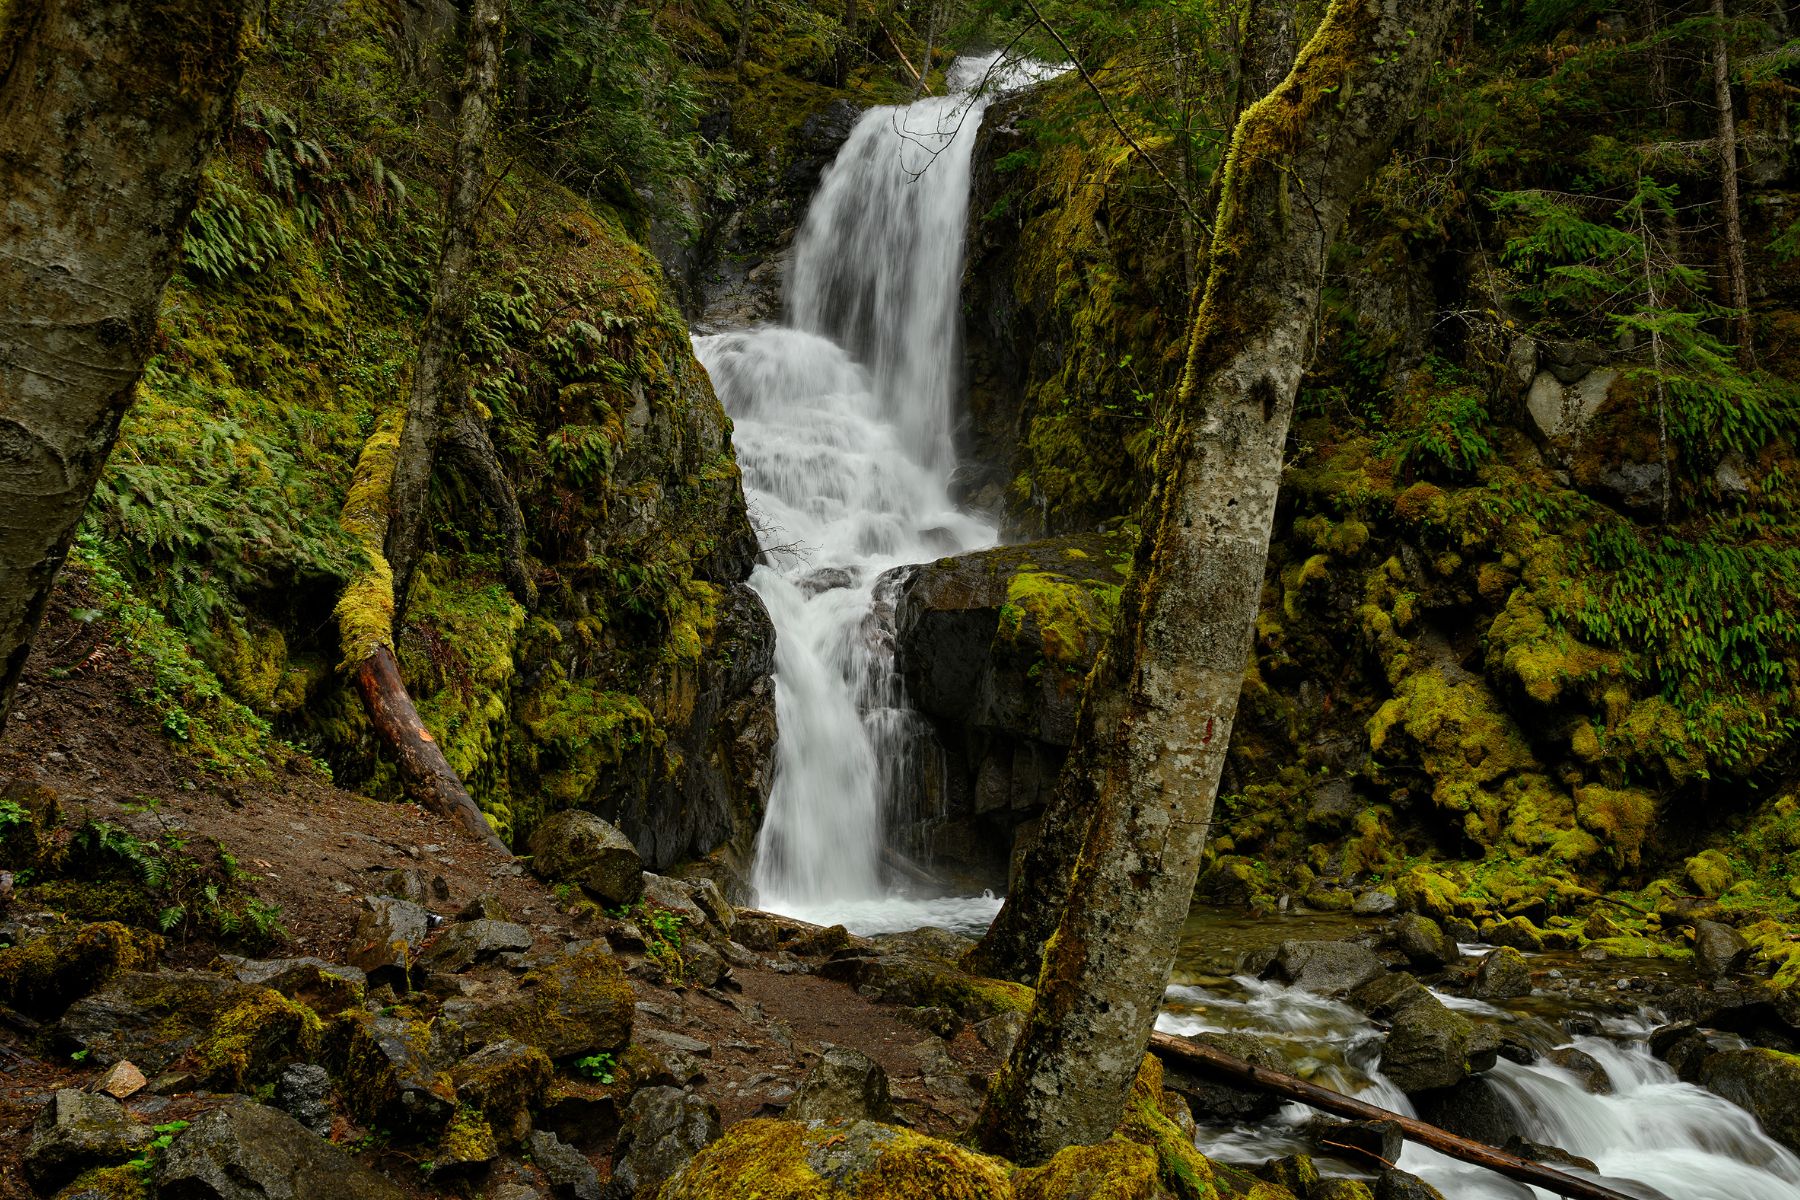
[{"x": 844, "y": 421}]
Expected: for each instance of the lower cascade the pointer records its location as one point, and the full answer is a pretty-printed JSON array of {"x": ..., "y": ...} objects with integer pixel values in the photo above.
[{"x": 843, "y": 431}]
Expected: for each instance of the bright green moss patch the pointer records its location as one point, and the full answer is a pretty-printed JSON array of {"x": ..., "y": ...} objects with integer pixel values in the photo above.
[{"x": 44, "y": 974}]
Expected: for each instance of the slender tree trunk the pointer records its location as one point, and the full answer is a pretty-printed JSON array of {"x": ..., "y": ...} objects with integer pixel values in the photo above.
[
  {"x": 107, "y": 111},
  {"x": 1013, "y": 946},
  {"x": 436, "y": 376},
  {"x": 1158, "y": 722},
  {"x": 741, "y": 55},
  {"x": 847, "y": 47},
  {"x": 1736, "y": 274},
  {"x": 472, "y": 451}
]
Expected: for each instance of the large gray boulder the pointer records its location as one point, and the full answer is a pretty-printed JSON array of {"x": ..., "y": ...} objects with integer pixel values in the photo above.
[
  {"x": 467, "y": 943},
  {"x": 1502, "y": 975},
  {"x": 1766, "y": 1082},
  {"x": 1327, "y": 968},
  {"x": 246, "y": 1151},
  {"x": 578, "y": 847},
  {"x": 1718, "y": 949},
  {"x": 1426, "y": 946},
  {"x": 664, "y": 1128},
  {"x": 845, "y": 1085},
  {"x": 76, "y": 1131}
]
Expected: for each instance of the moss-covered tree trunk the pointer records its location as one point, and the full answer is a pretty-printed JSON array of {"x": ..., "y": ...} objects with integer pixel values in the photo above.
[
  {"x": 1737, "y": 274},
  {"x": 1154, "y": 737},
  {"x": 107, "y": 110},
  {"x": 436, "y": 378}
]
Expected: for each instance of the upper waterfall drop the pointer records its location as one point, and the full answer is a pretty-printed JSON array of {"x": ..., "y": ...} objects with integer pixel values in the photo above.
[{"x": 844, "y": 423}]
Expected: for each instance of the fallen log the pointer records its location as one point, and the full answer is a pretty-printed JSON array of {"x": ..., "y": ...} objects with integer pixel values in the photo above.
[
  {"x": 425, "y": 773},
  {"x": 918, "y": 79},
  {"x": 1235, "y": 1070}
]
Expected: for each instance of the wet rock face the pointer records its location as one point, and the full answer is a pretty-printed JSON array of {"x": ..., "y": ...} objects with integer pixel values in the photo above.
[
  {"x": 994, "y": 647},
  {"x": 1428, "y": 1046},
  {"x": 1503, "y": 974},
  {"x": 245, "y": 1151},
  {"x": 1766, "y": 1082},
  {"x": 1328, "y": 968},
  {"x": 1718, "y": 949}
]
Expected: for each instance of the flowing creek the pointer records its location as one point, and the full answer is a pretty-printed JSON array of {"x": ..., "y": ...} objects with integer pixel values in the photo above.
[{"x": 844, "y": 420}]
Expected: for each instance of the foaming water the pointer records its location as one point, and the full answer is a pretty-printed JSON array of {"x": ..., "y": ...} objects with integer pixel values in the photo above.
[
  {"x": 843, "y": 428},
  {"x": 1653, "y": 1137}
]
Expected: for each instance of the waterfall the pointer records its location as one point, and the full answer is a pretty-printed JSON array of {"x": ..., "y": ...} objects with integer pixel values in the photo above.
[{"x": 843, "y": 429}]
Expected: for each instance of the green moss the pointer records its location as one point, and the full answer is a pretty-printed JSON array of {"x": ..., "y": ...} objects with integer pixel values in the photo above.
[
  {"x": 1070, "y": 618},
  {"x": 110, "y": 1183},
  {"x": 468, "y": 1140},
  {"x": 45, "y": 974},
  {"x": 249, "y": 1041},
  {"x": 1182, "y": 1169},
  {"x": 1710, "y": 872},
  {"x": 365, "y": 611},
  {"x": 1111, "y": 1170},
  {"x": 1620, "y": 817}
]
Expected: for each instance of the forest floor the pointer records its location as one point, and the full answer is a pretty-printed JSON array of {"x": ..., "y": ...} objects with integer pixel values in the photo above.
[{"x": 315, "y": 850}]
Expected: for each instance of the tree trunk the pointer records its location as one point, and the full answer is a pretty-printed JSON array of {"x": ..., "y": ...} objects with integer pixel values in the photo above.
[
  {"x": 1013, "y": 946},
  {"x": 847, "y": 47},
  {"x": 436, "y": 376},
  {"x": 473, "y": 452},
  {"x": 107, "y": 111},
  {"x": 1158, "y": 720},
  {"x": 1736, "y": 274},
  {"x": 741, "y": 54}
]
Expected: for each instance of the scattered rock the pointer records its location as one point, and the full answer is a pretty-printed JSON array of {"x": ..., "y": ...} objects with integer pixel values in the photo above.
[
  {"x": 675, "y": 896},
  {"x": 77, "y": 1130},
  {"x": 393, "y": 1077},
  {"x": 303, "y": 1092},
  {"x": 663, "y": 1129},
  {"x": 416, "y": 885},
  {"x": 1554, "y": 1156},
  {"x": 1765, "y": 1082},
  {"x": 1719, "y": 949},
  {"x": 1294, "y": 1172},
  {"x": 578, "y": 1004},
  {"x": 504, "y": 1080},
  {"x": 1502, "y": 975},
  {"x": 1221, "y": 1102},
  {"x": 845, "y": 1085},
  {"x": 1428, "y": 1046},
  {"x": 387, "y": 939},
  {"x": 677, "y": 1041},
  {"x": 247, "y": 1151},
  {"x": 701, "y": 965},
  {"x": 1398, "y": 1185},
  {"x": 1585, "y": 1067},
  {"x": 1474, "y": 1108},
  {"x": 1424, "y": 942},
  {"x": 578, "y": 847},
  {"x": 466, "y": 943},
  {"x": 323, "y": 986},
  {"x": 121, "y": 1080},
  {"x": 1376, "y": 902},
  {"x": 1327, "y": 968},
  {"x": 568, "y": 1172},
  {"x": 933, "y": 1019},
  {"x": 485, "y": 907},
  {"x": 1000, "y": 1033}
]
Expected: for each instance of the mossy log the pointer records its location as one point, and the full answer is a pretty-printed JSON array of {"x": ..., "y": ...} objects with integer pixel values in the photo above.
[{"x": 1221, "y": 1065}]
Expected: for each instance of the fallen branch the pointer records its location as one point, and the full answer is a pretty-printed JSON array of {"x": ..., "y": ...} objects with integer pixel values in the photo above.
[
  {"x": 1235, "y": 1070},
  {"x": 918, "y": 79}
]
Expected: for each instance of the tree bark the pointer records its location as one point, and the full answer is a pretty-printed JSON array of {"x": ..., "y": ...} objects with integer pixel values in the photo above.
[
  {"x": 1157, "y": 723},
  {"x": 473, "y": 452},
  {"x": 741, "y": 55},
  {"x": 1235, "y": 1070},
  {"x": 437, "y": 377},
  {"x": 847, "y": 47},
  {"x": 107, "y": 111},
  {"x": 1736, "y": 273}
]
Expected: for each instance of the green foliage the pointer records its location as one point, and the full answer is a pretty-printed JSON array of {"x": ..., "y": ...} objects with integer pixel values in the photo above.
[
  {"x": 233, "y": 232},
  {"x": 145, "y": 1161},
  {"x": 598, "y": 1067},
  {"x": 1449, "y": 436}
]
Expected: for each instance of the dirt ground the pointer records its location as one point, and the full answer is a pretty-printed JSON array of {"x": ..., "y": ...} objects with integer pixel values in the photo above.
[{"x": 316, "y": 850}]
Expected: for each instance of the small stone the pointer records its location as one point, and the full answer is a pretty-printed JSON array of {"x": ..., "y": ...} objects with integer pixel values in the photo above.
[
  {"x": 676, "y": 1041},
  {"x": 568, "y": 1172},
  {"x": 663, "y": 1129},
  {"x": 1001, "y": 1033},
  {"x": 845, "y": 1085},
  {"x": 485, "y": 907},
  {"x": 1585, "y": 1067},
  {"x": 416, "y": 885},
  {"x": 121, "y": 1080},
  {"x": 303, "y": 1092},
  {"x": 1376, "y": 902}
]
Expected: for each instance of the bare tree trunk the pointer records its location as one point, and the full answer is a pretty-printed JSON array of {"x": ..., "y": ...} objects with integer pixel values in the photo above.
[
  {"x": 846, "y": 47},
  {"x": 741, "y": 55},
  {"x": 473, "y": 452},
  {"x": 1736, "y": 274},
  {"x": 436, "y": 376},
  {"x": 1158, "y": 721},
  {"x": 1014, "y": 944},
  {"x": 107, "y": 111}
]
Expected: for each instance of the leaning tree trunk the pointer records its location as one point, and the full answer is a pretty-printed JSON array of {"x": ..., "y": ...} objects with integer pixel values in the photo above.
[
  {"x": 436, "y": 375},
  {"x": 1013, "y": 947},
  {"x": 107, "y": 111},
  {"x": 1158, "y": 733},
  {"x": 1737, "y": 280}
]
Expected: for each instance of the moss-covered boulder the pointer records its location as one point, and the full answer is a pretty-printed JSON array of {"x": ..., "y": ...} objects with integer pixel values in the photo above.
[
  {"x": 579, "y": 1004},
  {"x": 43, "y": 974},
  {"x": 392, "y": 1073},
  {"x": 995, "y": 647},
  {"x": 1766, "y": 1082},
  {"x": 579, "y": 848}
]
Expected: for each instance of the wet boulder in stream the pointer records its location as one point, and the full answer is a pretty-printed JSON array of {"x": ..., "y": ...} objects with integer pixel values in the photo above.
[
  {"x": 1327, "y": 968},
  {"x": 1766, "y": 1082},
  {"x": 1428, "y": 1046}
]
